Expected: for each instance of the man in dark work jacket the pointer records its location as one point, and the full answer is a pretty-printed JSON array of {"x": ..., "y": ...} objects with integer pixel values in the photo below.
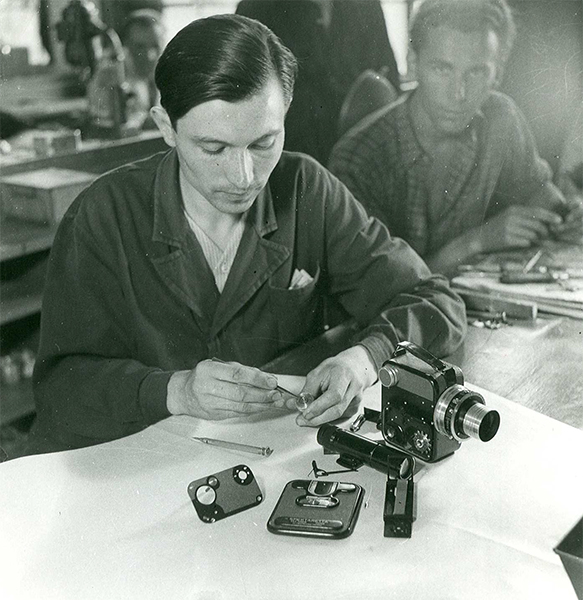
[{"x": 221, "y": 247}]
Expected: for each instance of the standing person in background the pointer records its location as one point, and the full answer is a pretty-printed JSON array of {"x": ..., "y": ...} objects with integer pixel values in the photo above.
[
  {"x": 453, "y": 168},
  {"x": 142, "y": 36},
  {"x": 334, "y": 42}
]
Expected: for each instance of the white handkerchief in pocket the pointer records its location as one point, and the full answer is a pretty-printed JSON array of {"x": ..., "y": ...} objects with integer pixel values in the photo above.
[{"x": 300, "y": 279}]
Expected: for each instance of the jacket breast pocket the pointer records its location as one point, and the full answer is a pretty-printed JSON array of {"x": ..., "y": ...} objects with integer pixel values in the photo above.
[{"x": 298, "y": 312}]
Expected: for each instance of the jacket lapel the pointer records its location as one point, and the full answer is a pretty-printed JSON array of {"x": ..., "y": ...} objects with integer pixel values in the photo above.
[
  {"x": 184, "y": 269},
  {"x": 256, "y": 260}
]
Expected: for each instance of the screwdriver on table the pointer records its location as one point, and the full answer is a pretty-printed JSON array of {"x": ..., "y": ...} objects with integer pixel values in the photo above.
[{"x": 264, "y": 451}]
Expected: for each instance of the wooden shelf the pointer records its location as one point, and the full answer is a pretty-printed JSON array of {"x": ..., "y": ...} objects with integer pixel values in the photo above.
[
  {"x": 94, "y": 156},
  {"x": 22, "y": 296},
  {"x": 18, "y": 238},
  {"x": 16, "y": 401}
]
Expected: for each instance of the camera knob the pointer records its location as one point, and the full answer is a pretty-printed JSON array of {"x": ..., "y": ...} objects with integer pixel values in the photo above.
[
  {"x": 394, "y": 433},
  {"x": 421, "y": 441},
  {"x": 388, "y": 375}
]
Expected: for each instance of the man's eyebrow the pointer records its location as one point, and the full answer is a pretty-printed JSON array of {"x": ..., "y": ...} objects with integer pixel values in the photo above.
[
  {"x": 203, "y": 139},
  {"x": 440, "y": 61}
]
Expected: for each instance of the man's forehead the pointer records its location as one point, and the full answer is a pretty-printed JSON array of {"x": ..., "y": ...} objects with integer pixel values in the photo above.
[
  {"x": 448, "y": 42},
  {"x": 233, "y": 122}
]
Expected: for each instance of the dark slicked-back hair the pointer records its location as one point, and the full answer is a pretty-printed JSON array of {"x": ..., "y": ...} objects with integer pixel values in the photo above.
[
  {"x": 466, "y": 16},
  {"x": 223, "y": 57}
]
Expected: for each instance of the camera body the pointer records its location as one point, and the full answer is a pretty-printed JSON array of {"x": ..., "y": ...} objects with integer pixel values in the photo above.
[{"x": 425, "y": 409}]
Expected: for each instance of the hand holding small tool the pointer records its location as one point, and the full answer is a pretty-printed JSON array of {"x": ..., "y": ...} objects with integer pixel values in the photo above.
[{"x": 217, "y": 390}]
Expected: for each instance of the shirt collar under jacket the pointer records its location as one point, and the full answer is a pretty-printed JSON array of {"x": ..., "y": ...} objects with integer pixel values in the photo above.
[{"x": 170, "y": 224}]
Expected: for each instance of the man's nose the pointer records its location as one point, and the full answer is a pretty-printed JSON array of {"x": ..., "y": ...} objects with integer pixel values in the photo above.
[
  {"x": 460, "y": 89},
  {"x": 240, "y": 169}
]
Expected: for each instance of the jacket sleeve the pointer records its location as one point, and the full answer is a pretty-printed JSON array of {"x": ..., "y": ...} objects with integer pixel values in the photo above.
[
  {"x": 87, "y": 387},
  {"x": 525, "y": 178},
  {"x": 361, "y": 159},
  {"x": 383, "y": 283}
]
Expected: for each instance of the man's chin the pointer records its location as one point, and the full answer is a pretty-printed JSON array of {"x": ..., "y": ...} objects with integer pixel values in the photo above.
[
  {"x": 453, "y": 129},
  {"x": 235, "y": 206}
]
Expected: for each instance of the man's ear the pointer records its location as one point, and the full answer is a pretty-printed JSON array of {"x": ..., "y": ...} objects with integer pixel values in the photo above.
[
  {"x": 498, "y": 75},
  {"x": 162, "y": 120}
]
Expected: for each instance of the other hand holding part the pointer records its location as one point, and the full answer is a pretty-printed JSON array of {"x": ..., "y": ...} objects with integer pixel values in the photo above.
[
  {"x": 337, "y": 384},
  {"x": 571, "y": 227},
  {"x": 517, "y": 226}
]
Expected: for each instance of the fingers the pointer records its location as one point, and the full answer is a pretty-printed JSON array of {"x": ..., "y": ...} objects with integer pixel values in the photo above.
[
  {"x": 525, "y": 233},
  {"x": 575, "y": 212},
  {"x": 226, "y": 409},
  {"x": 241, "y": 374},
  {"x": 336, "y": 411},
  {"x": 220, "y": 390},
  {"x": 285, "y": 401},
  {"x": 226, "y": 400},
  {"x": 571, "y": 228},
  {"x": 241, "y": 393},
  {"x": 541, "y": 215},
  {"x": 518, "y": 226},
  {"x": 532, "y": 223},
  {"x": 329, "y": 405}
]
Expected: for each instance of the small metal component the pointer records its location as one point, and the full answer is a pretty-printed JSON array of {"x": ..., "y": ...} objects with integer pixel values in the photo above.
[
  {"x": 303, "y": 401},
  {"x": 357, "y": 423},
  {"x": 264, "y": 451},
  {"x": 421, "y": 441},
  {"x": 532, "y": 261},
  {"x": 400, "y": 508}
]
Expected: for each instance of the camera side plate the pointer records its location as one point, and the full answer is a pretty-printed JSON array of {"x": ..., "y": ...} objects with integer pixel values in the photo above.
[{"x": 223, "y": 494}]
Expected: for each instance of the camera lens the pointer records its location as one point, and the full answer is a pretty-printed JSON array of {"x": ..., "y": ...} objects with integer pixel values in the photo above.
[
  {"x": 460, "y": 413},
  {"x": 480, "y": 422}
]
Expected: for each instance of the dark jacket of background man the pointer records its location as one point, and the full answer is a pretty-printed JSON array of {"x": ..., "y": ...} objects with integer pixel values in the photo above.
[{"x": 330, "y": 59}]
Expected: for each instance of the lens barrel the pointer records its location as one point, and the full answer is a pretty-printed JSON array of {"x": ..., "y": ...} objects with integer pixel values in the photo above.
[
  {"x": 460, "y": 413},
  {"x": 373, "y": 454}
]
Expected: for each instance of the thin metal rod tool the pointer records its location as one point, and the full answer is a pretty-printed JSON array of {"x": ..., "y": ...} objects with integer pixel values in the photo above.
[{"x": 262, "y": 450}]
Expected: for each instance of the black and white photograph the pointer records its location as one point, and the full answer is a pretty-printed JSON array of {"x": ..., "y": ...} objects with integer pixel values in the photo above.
[{"x": 291, "y": 299}]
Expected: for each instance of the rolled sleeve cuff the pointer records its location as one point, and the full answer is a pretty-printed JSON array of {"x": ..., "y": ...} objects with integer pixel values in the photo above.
[
  {"x": 152, "y": 396},
  {"x": 379, "y": 347}
]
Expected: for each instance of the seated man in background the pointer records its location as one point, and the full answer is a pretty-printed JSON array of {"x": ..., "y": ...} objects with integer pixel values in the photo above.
[
  {"x": 221, "y": 247},
  {"x": 452, "y": 167},
  {"x": 143, "y": 39}
]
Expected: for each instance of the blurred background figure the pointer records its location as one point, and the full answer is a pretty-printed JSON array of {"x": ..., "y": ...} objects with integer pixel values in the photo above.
[
  {"x": 142, "y": 36},
  {"x": 335, "y": 41},
  {"x": 454, "y": 168}
]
